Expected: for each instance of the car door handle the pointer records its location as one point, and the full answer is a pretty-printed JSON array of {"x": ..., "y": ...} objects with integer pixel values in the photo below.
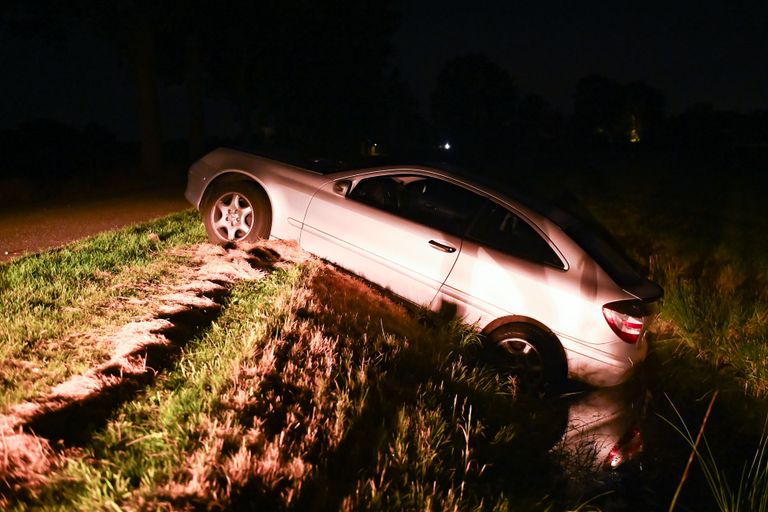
[{"x": 442, "y": 247}]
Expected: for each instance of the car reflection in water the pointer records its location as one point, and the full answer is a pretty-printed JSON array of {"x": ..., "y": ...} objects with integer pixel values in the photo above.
[{"x": 603, "y": 440}]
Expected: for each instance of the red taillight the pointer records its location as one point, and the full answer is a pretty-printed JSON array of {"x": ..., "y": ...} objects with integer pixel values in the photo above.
[
  {"x": 626, "y": 326},
  {"x": 630, "y": 444}
]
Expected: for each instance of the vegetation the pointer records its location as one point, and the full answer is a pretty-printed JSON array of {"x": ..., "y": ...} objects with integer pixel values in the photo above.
[
  {"x": 48, "y": 300},
  {"x": 700, "y": 235},
  {"x": 282, "y": 402},
  {"x": 750, "y": 492}
]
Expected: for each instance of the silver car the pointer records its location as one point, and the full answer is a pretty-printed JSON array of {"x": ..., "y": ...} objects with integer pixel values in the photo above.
[{"x": 553, "y": 298}]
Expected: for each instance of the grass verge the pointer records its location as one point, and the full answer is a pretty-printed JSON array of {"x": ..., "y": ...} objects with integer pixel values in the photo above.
[
  {"x": 313, "y": 390},
  {"x": 47, "y": 299}
]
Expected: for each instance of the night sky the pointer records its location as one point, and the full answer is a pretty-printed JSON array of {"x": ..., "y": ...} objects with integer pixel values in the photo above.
[{"x": 713, "y": 52}]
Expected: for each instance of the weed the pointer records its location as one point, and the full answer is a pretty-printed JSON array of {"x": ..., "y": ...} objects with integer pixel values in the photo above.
[{"x": 750, "y": 493}]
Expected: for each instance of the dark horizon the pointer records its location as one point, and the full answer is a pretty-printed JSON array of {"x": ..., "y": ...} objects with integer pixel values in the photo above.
[{"x": 692, "y": 53}]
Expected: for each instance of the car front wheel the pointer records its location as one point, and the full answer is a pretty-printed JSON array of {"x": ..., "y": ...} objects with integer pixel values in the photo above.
[{"x": 235, "y": 212}]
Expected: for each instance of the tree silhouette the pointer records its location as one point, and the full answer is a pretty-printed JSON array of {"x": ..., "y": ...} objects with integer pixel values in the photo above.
[
  {"x": 475, "y": 106},
  {"x": 310, "y": 75},
  {"x": 607, "y": 112}
]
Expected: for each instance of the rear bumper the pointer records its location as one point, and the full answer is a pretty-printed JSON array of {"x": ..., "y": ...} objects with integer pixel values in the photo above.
[{"x": 603, "y": 369}]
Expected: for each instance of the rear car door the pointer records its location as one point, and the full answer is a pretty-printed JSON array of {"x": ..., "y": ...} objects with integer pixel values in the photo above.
[
  {"x": 506, "y": 267},
  {"x": 401, "y": 231}
]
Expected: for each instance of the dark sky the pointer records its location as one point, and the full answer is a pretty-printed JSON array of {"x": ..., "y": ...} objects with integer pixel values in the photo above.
[
  {"x": 713, "y": 52},
  {"x": 693, "y": 51}
]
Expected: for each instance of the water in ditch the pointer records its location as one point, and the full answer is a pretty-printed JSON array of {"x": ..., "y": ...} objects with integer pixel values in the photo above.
[{"x": 619, "y": 449}]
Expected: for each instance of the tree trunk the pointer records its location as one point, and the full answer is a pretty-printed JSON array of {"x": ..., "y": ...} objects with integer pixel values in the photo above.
[
  {"x": 195, "y": 91},
  {"x": 144, "y": 70}
]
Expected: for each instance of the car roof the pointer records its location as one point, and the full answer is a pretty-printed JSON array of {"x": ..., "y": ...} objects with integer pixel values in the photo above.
[
  {"x": 495, "y": 187},
  {"x": 384, "y": 163}
]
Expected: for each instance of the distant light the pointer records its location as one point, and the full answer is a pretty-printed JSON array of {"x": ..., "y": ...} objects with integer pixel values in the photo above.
[
  {"x": 447, "y": 146},
  {"x": 634, "y": 132}
]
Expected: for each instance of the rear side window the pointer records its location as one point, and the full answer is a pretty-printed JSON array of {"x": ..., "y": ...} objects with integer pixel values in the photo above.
[
  {"x": 500, "y": 229},
  {"x": 607, "y": 254}
]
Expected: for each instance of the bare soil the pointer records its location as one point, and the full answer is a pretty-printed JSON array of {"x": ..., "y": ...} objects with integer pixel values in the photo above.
[{"x": 35, "y": 226}]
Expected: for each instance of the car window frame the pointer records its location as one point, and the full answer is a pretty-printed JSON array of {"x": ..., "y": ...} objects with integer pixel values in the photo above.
[
  {"x": 563, "y": 266},
  {"x": 460, "y": 232}
]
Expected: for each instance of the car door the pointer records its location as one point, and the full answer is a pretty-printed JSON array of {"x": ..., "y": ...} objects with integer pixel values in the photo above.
[
  {"x": 401, "y": 231},
  {"x": 506, "y": 267}
]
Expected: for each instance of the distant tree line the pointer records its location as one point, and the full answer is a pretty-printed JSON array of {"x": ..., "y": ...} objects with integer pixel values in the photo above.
[
  {"x": 318, "y": 77},
  {"x": 311, "y": 74}
]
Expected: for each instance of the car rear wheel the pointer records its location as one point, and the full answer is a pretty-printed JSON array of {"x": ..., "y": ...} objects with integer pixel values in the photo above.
[
  {"x": 235, "y": 212},
  {"x": 529, "y": 354}
]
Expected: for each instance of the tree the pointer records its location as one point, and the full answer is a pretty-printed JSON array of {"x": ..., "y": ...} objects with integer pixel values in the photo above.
[
  {"x": 541, "y": 124},
  {"x": 598, "y": 110},
  {"x": 608, "y": 112},
  {"x": 475, "y": 106},
  {"x": 311, "y": 73}
]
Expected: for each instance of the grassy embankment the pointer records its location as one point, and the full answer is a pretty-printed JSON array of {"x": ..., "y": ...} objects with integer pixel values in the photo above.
[
  {"x": 309, "y": 390},
  {"x": 48, "y": 300},
  {"x": 284, "y": 402}
]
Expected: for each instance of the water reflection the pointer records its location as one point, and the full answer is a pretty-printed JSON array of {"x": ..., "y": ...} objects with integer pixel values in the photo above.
[{"x": 602, "y": 443}]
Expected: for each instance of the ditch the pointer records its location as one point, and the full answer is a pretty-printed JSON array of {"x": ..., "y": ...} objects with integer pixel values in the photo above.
[{"x": 620, "y": 450}]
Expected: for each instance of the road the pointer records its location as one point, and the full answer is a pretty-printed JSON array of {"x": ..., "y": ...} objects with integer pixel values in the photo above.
[{"x": 31, "y": 228}]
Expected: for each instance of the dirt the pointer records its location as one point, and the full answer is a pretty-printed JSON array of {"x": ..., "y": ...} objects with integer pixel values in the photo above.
[
  {"x": 34, "y": 227},
  {"x": 33, "y": 431}
]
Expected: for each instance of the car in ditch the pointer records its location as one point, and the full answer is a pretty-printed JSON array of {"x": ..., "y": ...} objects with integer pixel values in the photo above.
[{"x": 552, "y": 296}]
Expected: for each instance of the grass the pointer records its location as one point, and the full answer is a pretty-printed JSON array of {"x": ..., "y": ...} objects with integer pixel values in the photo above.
[
  {"x": 701, "y": 236},
  {"x": 283, "y": 403},
  {"x": 48, "y": 298},
  {"x": 750, "y": 491},
  {"x": 176, "y": 419}
]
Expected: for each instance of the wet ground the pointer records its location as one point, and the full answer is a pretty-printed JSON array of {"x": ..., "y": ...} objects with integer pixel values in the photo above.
[
  {"x": 37, "y": 225},
  {"x": 619, "y": 446}
]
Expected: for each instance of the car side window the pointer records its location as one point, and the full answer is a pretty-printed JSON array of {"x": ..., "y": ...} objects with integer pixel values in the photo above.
[
  {"x": 500, "y": 229},
  {"x": 430, "y": 201},
  {"x": 382, "y": 192}
]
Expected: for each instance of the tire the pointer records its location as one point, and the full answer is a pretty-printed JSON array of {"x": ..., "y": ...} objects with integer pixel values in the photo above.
[
  {"x": 236, "y": 212},
  {"x": 534, "y": 357}
]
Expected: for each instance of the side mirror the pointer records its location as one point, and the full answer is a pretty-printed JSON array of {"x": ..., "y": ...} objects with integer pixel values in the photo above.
[{"x": 341, "y": 187}]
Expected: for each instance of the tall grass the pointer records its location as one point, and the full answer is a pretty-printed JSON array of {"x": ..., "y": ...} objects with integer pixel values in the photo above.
[
  {"x": 723, "y": 318},
  {"x": 747, "y": 493}
]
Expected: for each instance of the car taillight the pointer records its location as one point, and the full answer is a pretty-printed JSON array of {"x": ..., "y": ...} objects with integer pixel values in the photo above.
[
  {"x": 624, "y": 323},
  {"x": 630, "y": 444}
]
